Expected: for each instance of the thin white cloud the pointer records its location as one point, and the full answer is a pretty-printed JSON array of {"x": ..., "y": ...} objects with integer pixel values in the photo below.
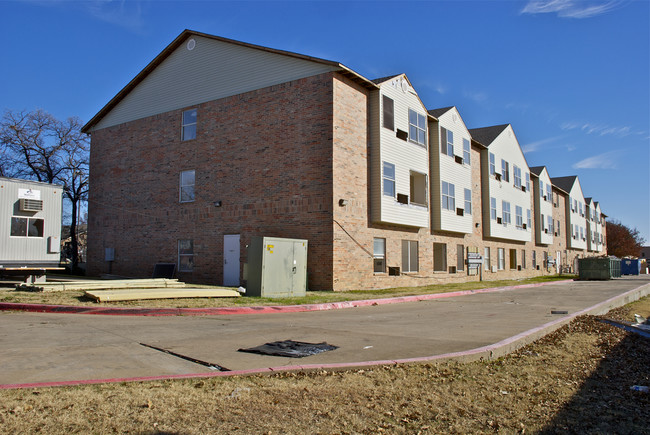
[
  {"x": 599, "y": 129},
  {"x": 478, "y": 97},
  {"x": 601, "y": 161},
  {"x": 123, "y": 13},
  {"x": 536, "y": 146},
  {"x": 570, "y": 8}
]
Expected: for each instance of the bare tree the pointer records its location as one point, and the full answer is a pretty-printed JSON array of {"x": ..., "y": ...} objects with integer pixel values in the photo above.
[{"x": 37, "y": 146}]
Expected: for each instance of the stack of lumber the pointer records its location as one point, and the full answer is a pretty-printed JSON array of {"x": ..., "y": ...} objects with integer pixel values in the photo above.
[
  {"x": 159, "y": 293},
  {"x": 156, "y": 283}
]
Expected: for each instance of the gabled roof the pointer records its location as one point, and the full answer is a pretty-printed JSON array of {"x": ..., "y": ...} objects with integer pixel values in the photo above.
[
  {"x": 188, "y": 33},
  {"x": 564, "y": 183},
  {"x": 486, "y": 135},
  {"x": 537, "y": 170},
  {"x": 437, "y": 113}
]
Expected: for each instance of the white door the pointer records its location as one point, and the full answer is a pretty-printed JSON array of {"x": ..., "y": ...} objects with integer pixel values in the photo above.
[{"x": 231, "y": 260}]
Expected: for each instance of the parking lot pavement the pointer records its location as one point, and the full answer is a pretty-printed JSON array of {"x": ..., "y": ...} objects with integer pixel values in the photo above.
[{"x": 40, "y": 348}]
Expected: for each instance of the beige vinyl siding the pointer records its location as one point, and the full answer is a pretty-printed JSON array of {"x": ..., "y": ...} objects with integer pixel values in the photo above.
[
  {"x": 28, "y": 250},
  {"x": 405, "y": 155},
  {"x": 460, "y": 175},
  {"x": 542, "y": 208},
  {"x": 212, "y": 70},
  {"x": 575, "y": 218},
  {"x": 506, "y": 147}
]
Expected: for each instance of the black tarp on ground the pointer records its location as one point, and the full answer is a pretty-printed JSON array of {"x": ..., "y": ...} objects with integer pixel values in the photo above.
[{"x": 290, "y": 348}]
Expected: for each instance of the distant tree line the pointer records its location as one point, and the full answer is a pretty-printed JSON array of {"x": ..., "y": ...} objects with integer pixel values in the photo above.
[{"x": 34, "y": 145}]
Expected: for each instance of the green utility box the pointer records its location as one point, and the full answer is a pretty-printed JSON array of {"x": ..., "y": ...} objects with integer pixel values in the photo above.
[
  {"x": 276, "y": 267},
  {"x": 599, "y": 268}
]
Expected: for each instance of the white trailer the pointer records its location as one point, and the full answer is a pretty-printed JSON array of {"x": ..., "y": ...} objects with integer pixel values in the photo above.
[{"x": 30, "y": 227}]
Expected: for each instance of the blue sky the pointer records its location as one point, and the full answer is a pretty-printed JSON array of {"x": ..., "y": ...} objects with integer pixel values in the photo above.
[{"x": 572, "y": 77}]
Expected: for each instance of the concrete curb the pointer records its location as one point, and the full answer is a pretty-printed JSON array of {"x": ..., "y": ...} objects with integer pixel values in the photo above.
[
  {"x": 121, "y": 311},
  {"x": 489, "y": 352}
]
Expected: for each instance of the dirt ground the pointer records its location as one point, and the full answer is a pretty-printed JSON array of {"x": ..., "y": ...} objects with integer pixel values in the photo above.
[{"x": 576, "y": 380}]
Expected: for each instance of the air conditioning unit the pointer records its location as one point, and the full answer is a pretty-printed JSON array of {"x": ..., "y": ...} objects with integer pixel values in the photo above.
[
  {"x": 497, "y": 176},
  {"x": 545, "y": 231},
  {"x": 393, "y": 271},
  {"x": 31, "y": 204},
  {"x": 452, "y": 269},
  {"x": 402, "y": 198},
  {"x": 458, "y": 160},
  {"x": 460, "y": 212},
  {"x": 494, "y": 269},
  {"x": 555, "y": 234},
  {"x": 544, "y": 197},
  {"x": 499, "y": 220},
  {"x": 524, "y": 226},
  {"x": 401, "y": 134},
  {"x": 523, "y": 188},
  {"x": 518, "y": 267}
]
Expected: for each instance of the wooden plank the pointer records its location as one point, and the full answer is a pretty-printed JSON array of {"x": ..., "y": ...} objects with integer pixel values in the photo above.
[
  {"x": 100, "y": 285},
  {"x": 161, "y": 293}
]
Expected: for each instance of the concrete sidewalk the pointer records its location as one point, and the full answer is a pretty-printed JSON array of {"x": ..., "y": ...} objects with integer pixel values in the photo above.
[{"x": 63, "y": 348}]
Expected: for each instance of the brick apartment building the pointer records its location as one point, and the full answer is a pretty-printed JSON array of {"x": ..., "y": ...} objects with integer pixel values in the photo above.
[{"x": 217, "y": 141}]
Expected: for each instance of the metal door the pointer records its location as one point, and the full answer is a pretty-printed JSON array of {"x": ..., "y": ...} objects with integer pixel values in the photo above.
[{"x": 231, "y": 258}]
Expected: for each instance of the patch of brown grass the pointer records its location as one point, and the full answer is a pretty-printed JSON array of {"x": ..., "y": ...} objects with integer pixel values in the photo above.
[{"x": 577, "y": 379}]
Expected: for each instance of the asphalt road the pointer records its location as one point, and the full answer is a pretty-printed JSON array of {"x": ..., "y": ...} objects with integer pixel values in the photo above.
[{"x": 38, "y": 348}]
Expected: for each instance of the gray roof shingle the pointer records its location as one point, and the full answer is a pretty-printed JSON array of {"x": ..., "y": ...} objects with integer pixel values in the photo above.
[{"x": 486, "y": 135}]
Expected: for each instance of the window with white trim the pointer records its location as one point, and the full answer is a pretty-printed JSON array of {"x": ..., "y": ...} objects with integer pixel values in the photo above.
[
  {"x": 519, "y": 218},
  {"x": 527, "y": 182},
  {"x": 388, "y": 112},
  {"x": 419, "y": 192},
  {"x": 188, "y": 130},
  {"x": 417, "y": 128},
  {"x": 505, "y": 170},
  {"x": 446, "y": 142},
  {"x": 448, "y": 196},
  {"x": 467, "y": 159},
  {"x": 493, "y": 208},
  {"x": 501, "y": 259},
  {"x": 409, "y": 256},
  {"x": 541, "y": 189},
  {"x": 517, "y": 175},
  {"x": 379, "y": 255},
  {"x": 549, "y": 193},
  {"x": 185, "y": 255},
  {"x": 186, "y": 191},
  {"x": 486, "y": 258},
  {"x": 550, "y": 224},
  {"x": 26, "y": 227},
  {"x": 389, "y": 179},
  {"x": 468, "y": 201},
  {"x": 528, "y": 219},
  {"x": 506, "y": 212},
  {"x": 493, "y": 167}
]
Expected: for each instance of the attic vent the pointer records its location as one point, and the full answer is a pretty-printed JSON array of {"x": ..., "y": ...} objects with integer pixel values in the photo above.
[
  {"x": 31, "y": 204},
  {"x": 191, "y": 44}
]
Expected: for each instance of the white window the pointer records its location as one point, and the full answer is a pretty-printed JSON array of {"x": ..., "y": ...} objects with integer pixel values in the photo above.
[
  {"x": 388, "y": 112},
  {"x": 417, "y": 128},
  {"x": 409, "y": 256},
  {"x": 439, "y": 257},
  {"x": 466, "y": 152},
  {"x": 527, "y": 182},
  {"x": 189, "y": 125},
  {"x": 448, "y": 196},
  {"x": 493, "y": 168},
  {"x": 486, "y": 258},
  {"x": 447, "y": 142},
  {"x": 505, "y": 170},
  {"x": 541, "y": 189},
  {"x": 528, "y": 219},
  {"x": 501, "y": 258},
  {"x": 517, "y": 174},
  {"x": 187, "y": 186},
  {"x": 379, "y": 255},
  {"x": 506, "y": 212},
  {"x": 419, "y": 191},
  {"x": 582, "y": 233},
  {"x": 493, "y": 209},
  {"x": 389, "y": 179},
  {"x": 519, "y": 218},
  {"x": 549, "y": 193},
  {"x": 185, "y": 255},
  {"x": 550, "y": 224},
  {"x": 26, "y": 227},
  {"x": 468, "y": 201}
]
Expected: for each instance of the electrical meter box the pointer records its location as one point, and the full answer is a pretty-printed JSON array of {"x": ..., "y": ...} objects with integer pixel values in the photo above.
[{"x": 277, "y": 267}]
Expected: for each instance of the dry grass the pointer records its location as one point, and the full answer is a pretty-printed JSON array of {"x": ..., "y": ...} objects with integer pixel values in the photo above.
[
  {"x": 577, "y": 380},
  {"x": 76, "y": 297}
]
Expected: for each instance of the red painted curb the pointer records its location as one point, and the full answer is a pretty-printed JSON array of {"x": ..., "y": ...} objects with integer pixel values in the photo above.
[{"x": 121, "y": 311}]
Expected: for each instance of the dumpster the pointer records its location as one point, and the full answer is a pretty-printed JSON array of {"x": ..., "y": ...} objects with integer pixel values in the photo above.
[
  {"x": 599, "y": 268},
  {"x": 630, "y": 266}
]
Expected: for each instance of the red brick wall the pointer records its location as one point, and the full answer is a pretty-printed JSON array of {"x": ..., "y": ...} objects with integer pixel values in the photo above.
[{"x": 266, "y": 154}]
